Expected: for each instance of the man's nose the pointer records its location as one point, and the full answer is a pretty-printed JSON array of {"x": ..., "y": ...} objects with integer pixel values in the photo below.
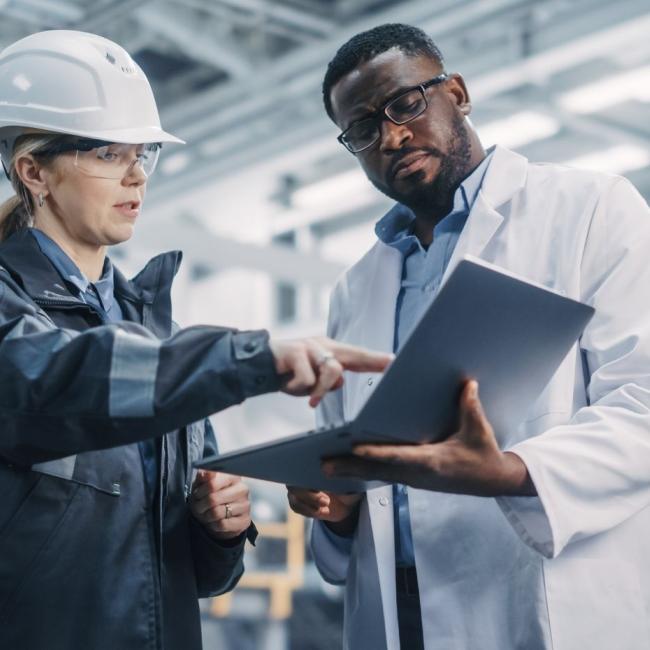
[{"x": 393, "y": 136}]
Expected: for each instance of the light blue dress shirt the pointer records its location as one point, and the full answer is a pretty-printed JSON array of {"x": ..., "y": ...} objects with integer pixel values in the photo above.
[
  {"x": 422, "y": 273},
  {"x": 98, "y": 295}
]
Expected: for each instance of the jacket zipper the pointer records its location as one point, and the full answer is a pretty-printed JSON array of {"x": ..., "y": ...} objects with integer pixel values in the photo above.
[{"x": 65, "y": 304}]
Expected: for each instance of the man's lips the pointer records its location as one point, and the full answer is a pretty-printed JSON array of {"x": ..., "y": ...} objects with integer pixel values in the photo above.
[{"x": 409, "y": 164}]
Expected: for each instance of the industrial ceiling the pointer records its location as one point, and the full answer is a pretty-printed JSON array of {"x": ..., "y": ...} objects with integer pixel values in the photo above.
[{"x": 239, "y": 80}]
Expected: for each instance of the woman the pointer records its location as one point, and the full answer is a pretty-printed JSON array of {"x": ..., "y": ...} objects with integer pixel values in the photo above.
[{"x": 106, "y": 538}]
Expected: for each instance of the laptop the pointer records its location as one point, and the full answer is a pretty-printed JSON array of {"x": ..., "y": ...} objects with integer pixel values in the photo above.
[{"x": 485, "y": 323}]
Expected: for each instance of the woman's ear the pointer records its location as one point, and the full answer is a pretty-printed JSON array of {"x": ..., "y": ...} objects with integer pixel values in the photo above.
[{"x": 32, "y": 175}]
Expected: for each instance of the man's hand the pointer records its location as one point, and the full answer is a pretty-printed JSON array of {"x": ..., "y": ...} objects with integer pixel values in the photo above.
[
  {"x": 315, "y": 365},
  {"x": 220, "y": 502},
  {"x": 468, "y": 462},
  {"x": 340, "y": 511}
]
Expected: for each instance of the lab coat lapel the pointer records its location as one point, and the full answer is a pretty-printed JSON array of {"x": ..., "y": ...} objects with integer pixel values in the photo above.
[
  {"x": 376, "y": 323},
  {"x": 505, "y": 176},
  {"x": 378, "y": 318}
]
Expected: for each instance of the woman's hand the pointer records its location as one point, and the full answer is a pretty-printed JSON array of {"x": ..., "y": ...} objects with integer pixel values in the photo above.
[
  {"x": 315, "y": 365},
  {"x": 220, "y": 502}
]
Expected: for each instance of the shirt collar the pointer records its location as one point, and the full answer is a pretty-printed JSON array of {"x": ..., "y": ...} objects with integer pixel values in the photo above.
[
  {"x": 71, "y": 273},
  {"x": 395, "y": 228}
]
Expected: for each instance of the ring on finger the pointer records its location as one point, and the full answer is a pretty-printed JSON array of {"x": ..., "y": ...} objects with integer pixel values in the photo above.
[
  {"x": 324, "y": 356},
  {"x": 228, "y": 511}
]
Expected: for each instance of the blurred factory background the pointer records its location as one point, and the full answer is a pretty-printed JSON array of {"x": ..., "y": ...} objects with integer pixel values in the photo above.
[{"x": 269, "y": 209}]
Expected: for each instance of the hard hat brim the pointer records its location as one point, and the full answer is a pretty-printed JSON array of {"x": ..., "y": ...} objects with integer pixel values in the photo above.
[{"x": 138, "y": 135}]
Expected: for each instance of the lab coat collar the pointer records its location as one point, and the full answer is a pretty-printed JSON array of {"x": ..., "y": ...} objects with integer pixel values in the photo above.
[{"x": 505, "y": 176}]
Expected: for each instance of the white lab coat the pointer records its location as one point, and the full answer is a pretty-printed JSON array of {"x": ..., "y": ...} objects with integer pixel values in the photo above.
[{"x": 569, "y": 570}]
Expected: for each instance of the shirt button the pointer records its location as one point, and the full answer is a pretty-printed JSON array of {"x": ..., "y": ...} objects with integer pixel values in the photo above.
[
  {"x": 259, "y": 380},
  {"x": 371, "y": 381},
  {"x": 250, "y": 347},
  {"x": 383, "y": 501}
]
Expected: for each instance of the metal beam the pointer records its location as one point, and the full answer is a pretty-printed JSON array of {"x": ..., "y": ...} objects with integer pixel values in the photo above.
[
  {"x": 211, "y": 251},
  {"x": 194, "y": 40},
  {"x": 203, "y": 171},
  {"x": 289, "y": 16},
  {"x": 250, "y": 21},
  {"x": 240, "y": 121},
  {"x": 541, "y": 67},
  {"x": 56, "y": 9},
  {"x": 305, "y": 68},
  {"x": 107, "y": 12},
  {"x": 596, "y": 127}
]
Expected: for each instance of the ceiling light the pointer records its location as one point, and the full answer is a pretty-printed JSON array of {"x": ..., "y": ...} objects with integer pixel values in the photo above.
[
  {"x": 615, "y": 160},
  {"x": 519, "y": 129},
  {"x": 604, "y": 93},
  {"x": 343, "y": 191},
  {"x": 175, "y": 163}
]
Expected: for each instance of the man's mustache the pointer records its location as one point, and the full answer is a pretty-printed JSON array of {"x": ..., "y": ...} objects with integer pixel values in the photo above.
[{"x": 402, "y": 153}]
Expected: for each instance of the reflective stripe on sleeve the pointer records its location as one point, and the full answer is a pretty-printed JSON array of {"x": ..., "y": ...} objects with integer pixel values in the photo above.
[{"x": 134, "y": 365}]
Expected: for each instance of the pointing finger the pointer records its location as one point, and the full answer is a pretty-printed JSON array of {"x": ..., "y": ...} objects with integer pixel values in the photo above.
[{"x": 360, "y": 359}]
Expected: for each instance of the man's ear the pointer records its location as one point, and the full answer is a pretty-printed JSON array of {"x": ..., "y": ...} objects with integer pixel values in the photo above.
[{"x": 456, "y": 86}]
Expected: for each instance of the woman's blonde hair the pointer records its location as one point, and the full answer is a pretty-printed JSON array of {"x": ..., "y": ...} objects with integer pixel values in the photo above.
[{"x": 16, "y": 213}]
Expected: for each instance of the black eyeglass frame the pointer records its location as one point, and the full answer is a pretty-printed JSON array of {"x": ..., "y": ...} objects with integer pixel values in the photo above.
[{"x": 381, "y": 113}]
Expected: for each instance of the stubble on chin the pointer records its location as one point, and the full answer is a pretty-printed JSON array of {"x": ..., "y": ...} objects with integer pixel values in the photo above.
[{"x": 435, "y": 197}]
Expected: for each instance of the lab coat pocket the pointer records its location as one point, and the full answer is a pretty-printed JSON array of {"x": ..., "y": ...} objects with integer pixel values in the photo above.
[{"x": 596, "y": 604}]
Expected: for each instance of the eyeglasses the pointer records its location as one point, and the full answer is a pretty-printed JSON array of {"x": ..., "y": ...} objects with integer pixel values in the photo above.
[
  {"x": 111, "y": 160},
  {"x": 405, "y": 107}
]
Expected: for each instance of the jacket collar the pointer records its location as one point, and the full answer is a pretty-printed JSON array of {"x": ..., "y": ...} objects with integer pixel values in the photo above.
[{"x": 23, "y": 259}]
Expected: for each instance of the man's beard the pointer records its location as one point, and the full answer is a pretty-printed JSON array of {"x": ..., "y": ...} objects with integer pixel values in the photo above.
[{"x": 435, "y": 199}]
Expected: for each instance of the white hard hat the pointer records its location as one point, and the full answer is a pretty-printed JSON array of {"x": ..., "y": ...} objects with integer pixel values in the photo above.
[{"x": 75, "y": 83}]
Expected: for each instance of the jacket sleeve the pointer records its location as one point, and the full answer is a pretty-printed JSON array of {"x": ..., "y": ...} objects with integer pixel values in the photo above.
[
  {"x": 218, "y": 565},
  {"x": 592, "y": 473},
  {"x": 331, "y": 552},
  {"x": 63, "y": 392}
]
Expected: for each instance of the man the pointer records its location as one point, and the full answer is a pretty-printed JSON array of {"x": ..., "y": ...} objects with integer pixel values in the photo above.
[{"x": 555, "y": 557}]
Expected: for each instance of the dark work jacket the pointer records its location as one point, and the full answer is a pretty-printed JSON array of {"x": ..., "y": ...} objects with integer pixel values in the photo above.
[{"x": 89, "y": 560}]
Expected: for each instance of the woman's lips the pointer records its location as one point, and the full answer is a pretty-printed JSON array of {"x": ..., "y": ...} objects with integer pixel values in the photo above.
[{"x": 129, "y": 209}]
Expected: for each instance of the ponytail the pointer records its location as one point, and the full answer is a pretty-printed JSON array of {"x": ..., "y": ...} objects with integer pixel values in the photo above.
[{"x": 13, "y": 217}]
